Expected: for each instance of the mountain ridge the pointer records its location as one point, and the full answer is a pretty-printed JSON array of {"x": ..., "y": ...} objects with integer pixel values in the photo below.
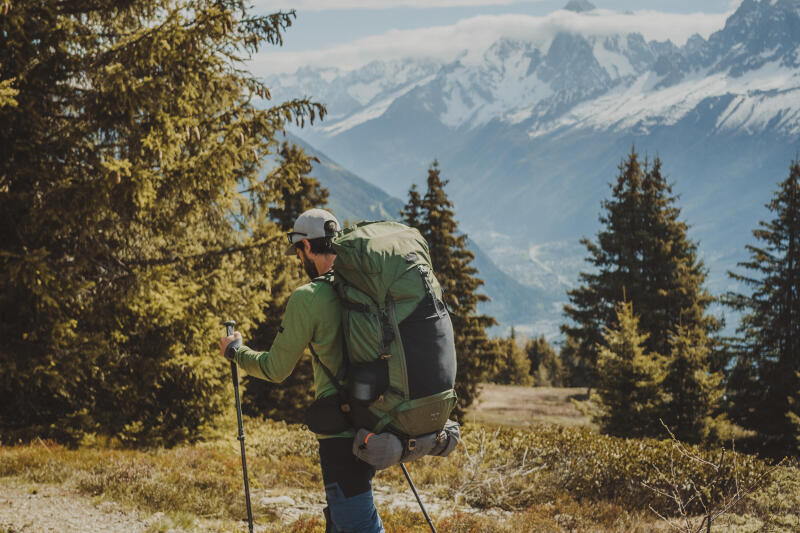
[
  {"x": 530, "y": 135},
  {"x": 353, "y": 199},
  {"x": 562, "y": 72},
  {"x": 579, "y": 6}
]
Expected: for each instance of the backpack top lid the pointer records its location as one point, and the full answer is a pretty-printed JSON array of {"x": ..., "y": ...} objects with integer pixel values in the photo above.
[{"x": 371, "y": 256}]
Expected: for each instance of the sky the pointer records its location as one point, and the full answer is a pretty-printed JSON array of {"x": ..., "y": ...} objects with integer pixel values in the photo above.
[{"x": 349, "y": 33}]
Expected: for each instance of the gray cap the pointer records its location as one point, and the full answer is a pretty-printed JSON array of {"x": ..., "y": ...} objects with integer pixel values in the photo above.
[{"x": 310, "y": 225}]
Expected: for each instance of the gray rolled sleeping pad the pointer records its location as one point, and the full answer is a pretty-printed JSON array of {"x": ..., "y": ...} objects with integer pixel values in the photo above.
[{"x": 383, "y": 450}]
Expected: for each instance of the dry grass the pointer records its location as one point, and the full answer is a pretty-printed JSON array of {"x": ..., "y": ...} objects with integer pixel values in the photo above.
[
  {"x": 202, "y": 480},
  {"x": 514, "y": 406},
  {"x": 543, "y": 478}
]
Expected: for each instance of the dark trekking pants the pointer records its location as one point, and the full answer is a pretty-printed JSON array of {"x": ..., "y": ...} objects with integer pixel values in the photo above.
[{"x": 348, "y": 489}]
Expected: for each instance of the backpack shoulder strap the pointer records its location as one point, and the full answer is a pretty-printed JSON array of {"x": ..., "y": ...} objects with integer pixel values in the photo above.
[
  {"x": 336, "y": 380},
  {"x": 327, "y": 277}
]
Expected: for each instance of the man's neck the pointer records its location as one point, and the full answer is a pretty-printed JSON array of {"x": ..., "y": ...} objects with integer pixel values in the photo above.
[{"x": 324, "y": 263}]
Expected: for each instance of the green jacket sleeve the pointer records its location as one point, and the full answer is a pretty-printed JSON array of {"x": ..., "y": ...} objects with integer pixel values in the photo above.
[{"x": 295, "y": 333}]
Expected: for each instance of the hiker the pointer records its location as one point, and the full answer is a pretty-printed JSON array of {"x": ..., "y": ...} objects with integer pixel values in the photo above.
[{"x": 313, "y": 318}]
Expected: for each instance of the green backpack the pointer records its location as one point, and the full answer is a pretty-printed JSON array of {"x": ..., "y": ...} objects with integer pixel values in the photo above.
[{"x": 401, "y": 358}]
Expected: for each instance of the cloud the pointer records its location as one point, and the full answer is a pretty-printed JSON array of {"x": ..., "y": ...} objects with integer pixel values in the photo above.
[
  {"x": 324, "y": 5},
  {"x": 470, "y": 37}
]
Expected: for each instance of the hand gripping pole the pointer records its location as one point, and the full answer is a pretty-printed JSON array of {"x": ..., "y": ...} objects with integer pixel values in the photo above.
[{"x": 235, "y": 372}]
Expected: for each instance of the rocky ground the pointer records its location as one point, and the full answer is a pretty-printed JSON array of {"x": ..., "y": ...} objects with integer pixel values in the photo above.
[
  {"x": 31, "y": 507},
  {"x": 25, "y": 506}
]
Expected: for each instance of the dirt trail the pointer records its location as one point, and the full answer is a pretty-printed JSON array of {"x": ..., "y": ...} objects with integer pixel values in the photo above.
[{"x": 40, "y": 508}]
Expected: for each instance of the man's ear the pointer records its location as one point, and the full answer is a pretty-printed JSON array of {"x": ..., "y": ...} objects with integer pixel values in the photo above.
[{"x": 306, "y": 246}]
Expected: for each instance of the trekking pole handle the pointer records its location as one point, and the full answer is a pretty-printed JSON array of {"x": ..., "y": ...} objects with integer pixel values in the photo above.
[{"x": 230, "y": 350}]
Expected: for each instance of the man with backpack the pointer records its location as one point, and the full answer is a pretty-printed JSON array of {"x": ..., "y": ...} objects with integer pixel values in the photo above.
[
  {"x": 313, "y": 319},
  {"x": 383, "y": 356}
]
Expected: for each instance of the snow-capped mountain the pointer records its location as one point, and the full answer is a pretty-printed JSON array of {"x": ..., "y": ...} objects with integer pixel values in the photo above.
[
  {"x": 349, "y": 94},
  {"x": 565, "y": 79},
  {"x": 530, "y": 130}
]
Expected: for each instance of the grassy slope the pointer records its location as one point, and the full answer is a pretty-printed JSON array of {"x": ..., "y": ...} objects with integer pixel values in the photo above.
[
  {"x": 541, "y": 478},
  {"x": 512, "y": 406}
]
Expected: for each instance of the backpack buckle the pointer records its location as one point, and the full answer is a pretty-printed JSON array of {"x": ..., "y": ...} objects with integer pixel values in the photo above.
[{"x": 412, "y": 443}]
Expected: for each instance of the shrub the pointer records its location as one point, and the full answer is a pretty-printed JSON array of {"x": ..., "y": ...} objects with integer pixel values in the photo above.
[
  {"x": 542, "y": 479},
  {"x": 514, "y": 468}
]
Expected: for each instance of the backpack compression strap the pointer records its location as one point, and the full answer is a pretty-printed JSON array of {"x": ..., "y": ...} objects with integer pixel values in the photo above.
[
  {"x": 439, "y": 305},
  {"x": 344, "y": 404}
]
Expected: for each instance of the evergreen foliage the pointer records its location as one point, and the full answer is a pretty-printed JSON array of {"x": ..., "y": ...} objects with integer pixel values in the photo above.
[
  {"x": 299, "y": 192},
  {"x": 7, "y": 92},
  {"x": 127, "y": 134},
  {"x": 693, "y": 391},
  {"x": 575, "y": 373},
  {"x": 794, "y": 417},
  {"x": 546, "y": 365},
  {"x": 764, "y": 382},
  {"x": 296, "y": 190},
  {"x": 513, "y": 366},
  {"x": 628, "y": 395},
  {"x": 432, "y": 214},
  {"x": 642, "y": 255},
  {"x": 411, "y": 213}
]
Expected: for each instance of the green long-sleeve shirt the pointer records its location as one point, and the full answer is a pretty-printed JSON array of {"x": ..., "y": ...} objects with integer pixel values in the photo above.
[{"x": 312, "y": 316}]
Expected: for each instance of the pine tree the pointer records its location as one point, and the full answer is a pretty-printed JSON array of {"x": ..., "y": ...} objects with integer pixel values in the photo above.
[
  {"x": 764, "y": 378},
  {"x": 289, "y": 399},
  {"x": 641, "y": 255},
  {"x": 297, "y": 190},
  {"x": 411, "y": 213},
  {"x": 546, "y": 366},
  {"x": 127, "y": 133},
  {"x": 628, "y": 395},
  {"x": 513, "y": 366},
  {"x": 576, "y": 373},
  {"x": 694, "y": 391},
  {"x": 476, "y": 353}
]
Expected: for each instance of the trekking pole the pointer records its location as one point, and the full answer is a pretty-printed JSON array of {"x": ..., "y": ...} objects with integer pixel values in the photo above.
[
  {"x": 414, "y": 490},
  {"x": 235, "y": 371}
]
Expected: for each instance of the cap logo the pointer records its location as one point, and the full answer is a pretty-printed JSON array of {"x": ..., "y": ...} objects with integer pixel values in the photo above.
[{"x": 330, "y": 228}]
